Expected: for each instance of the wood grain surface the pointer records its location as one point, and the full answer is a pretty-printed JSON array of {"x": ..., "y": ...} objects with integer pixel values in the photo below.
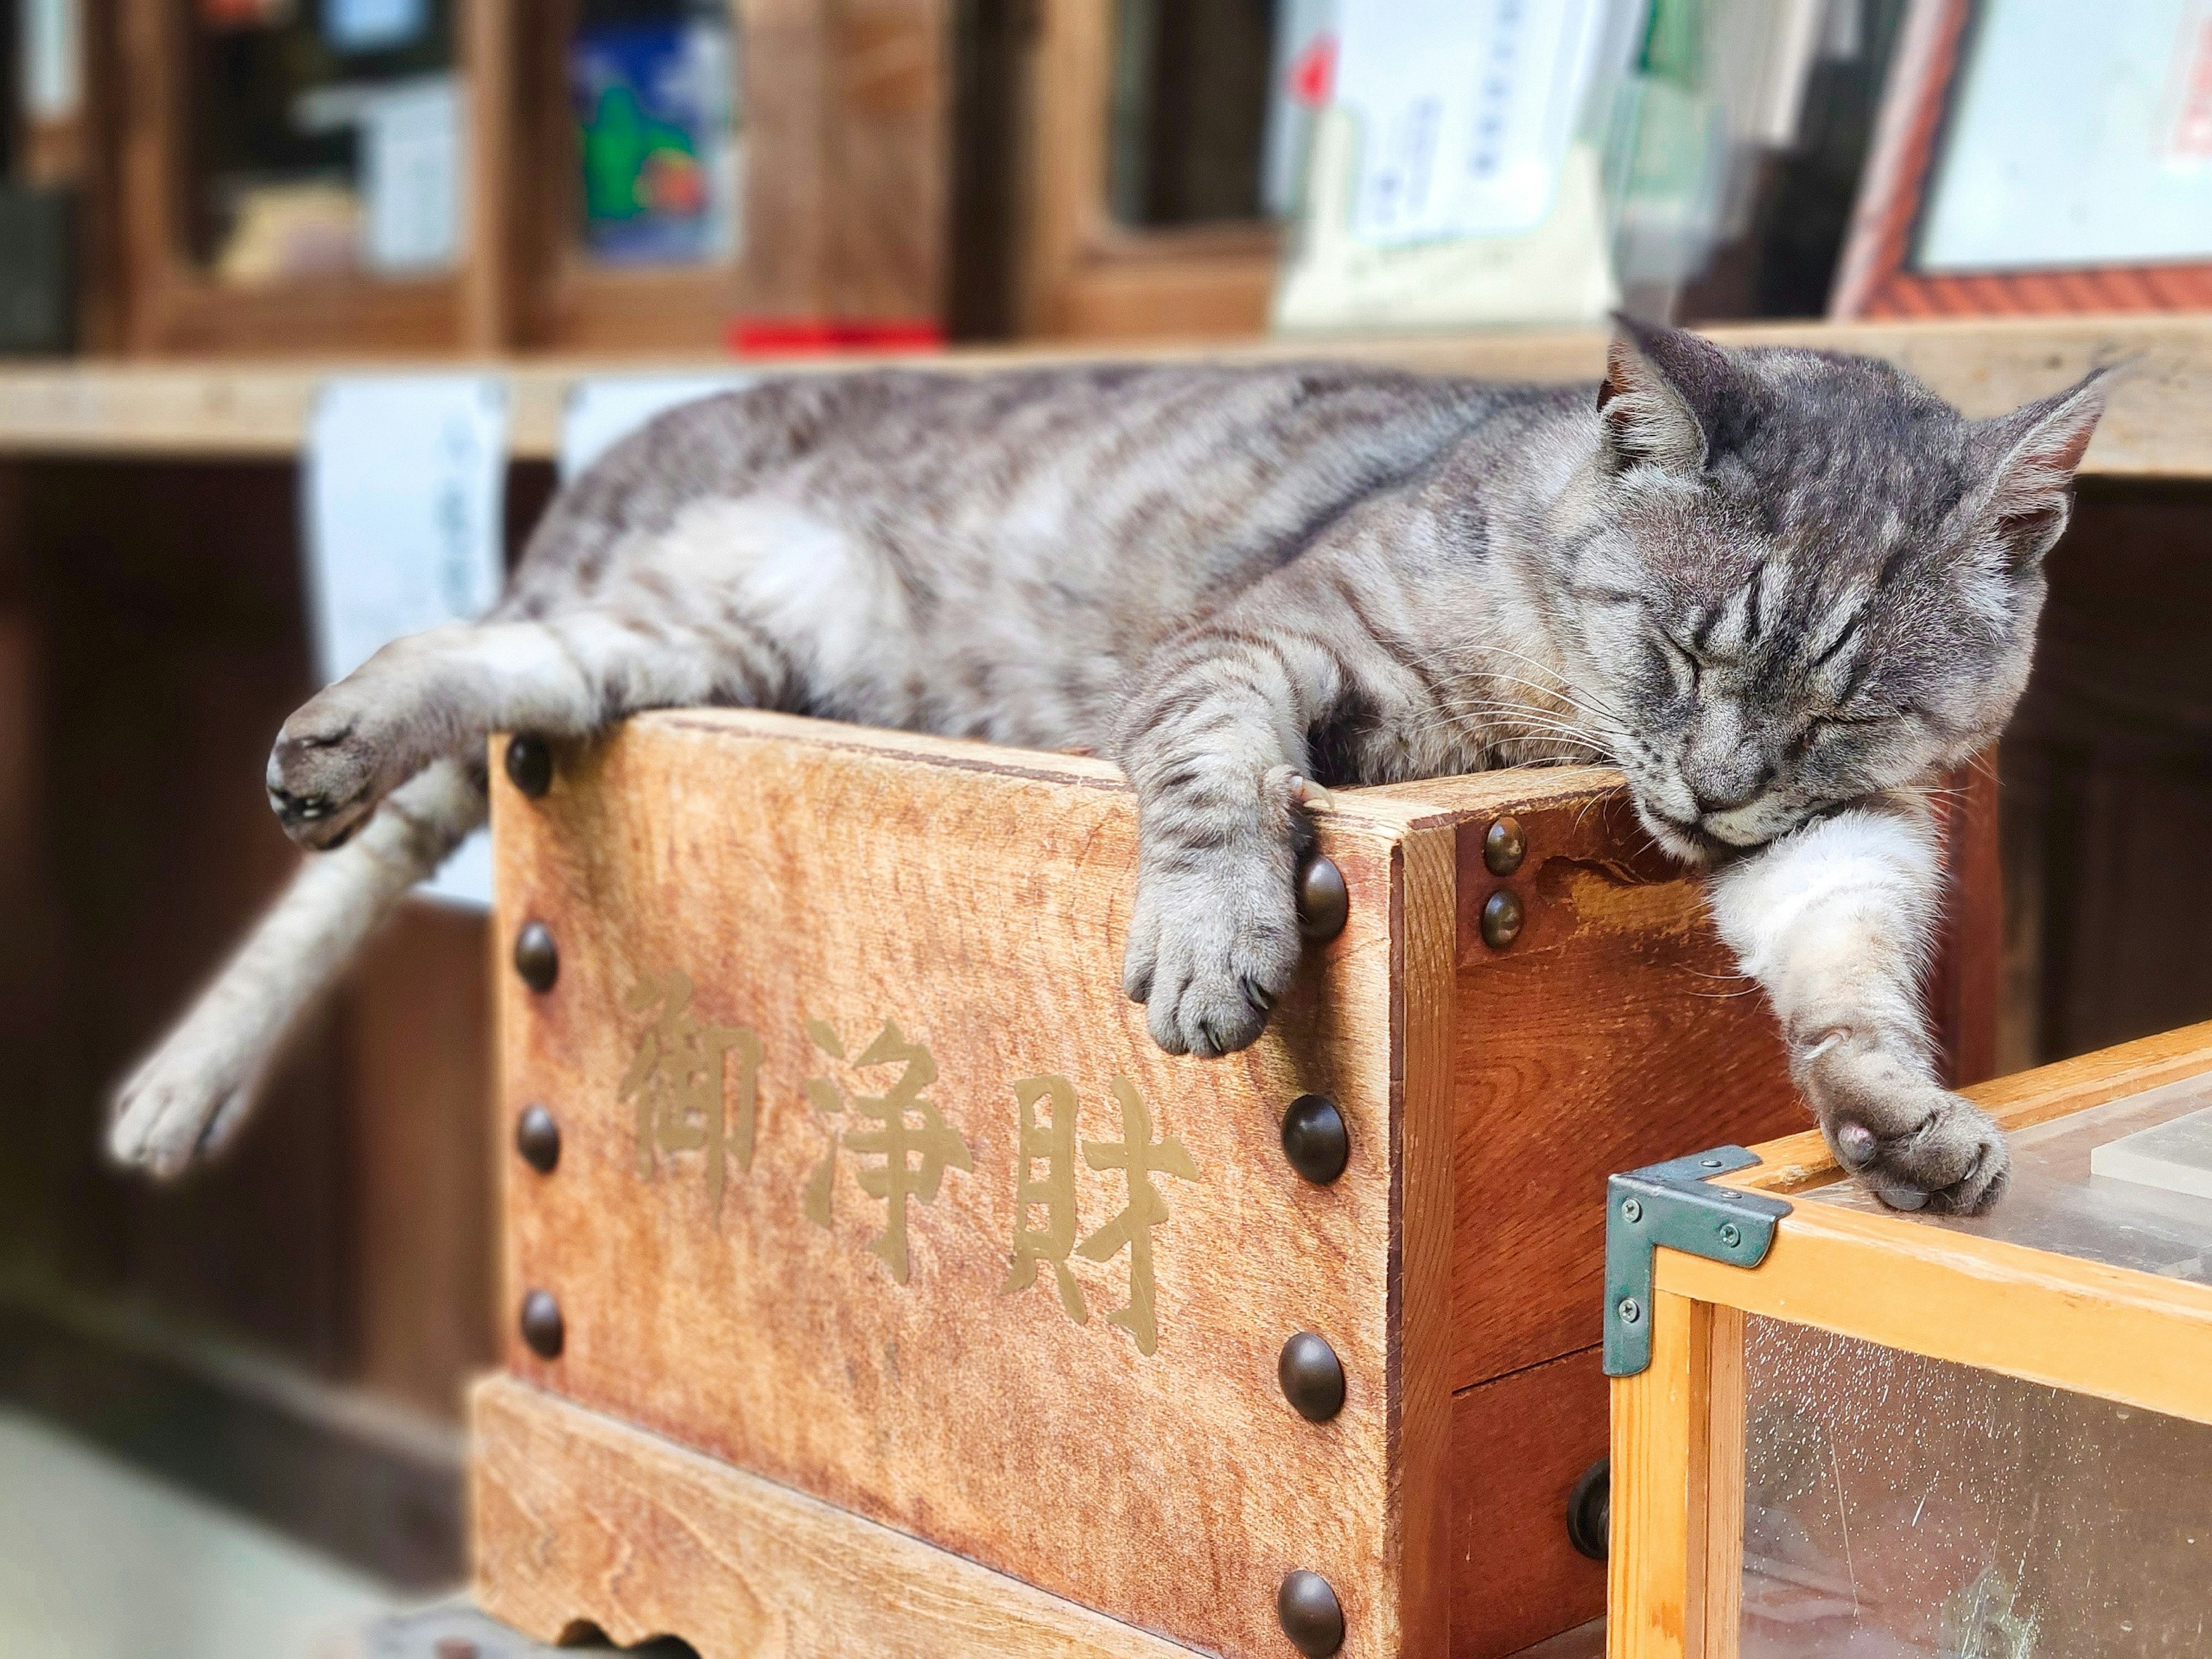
[
  {"x": 1612, "y": 1033},
  {"x": 829, "y": 889},
  {"x": 1518, "y": 1446},
  {"x": 569, "y": 1503}
]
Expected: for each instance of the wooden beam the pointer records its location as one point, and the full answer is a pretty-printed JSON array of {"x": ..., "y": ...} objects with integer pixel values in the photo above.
[{"x": 2158, "y": 426}]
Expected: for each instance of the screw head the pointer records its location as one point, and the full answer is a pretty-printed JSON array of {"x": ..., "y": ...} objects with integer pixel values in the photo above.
[
  {"x": 529, "y": 764},
  {"x": 1731, "y": 1235},
  {"x": 1503, "y": 846},
  {"x": 535, "y": 956},
  {"x": 1709, "y": 1162},
  {"x": 538, "y": 1137},
  {"x": 542, "y": 1325},
  {"x": 1631, "y": 1210},
  {"x": 1315, "y": 1139},
  {"x": 1631, "y": 1310},
  {"x": 1323, "y": 904},
  {"x": 1310, "y": 1613},
  {"x": 1590, "y": 1510},
  {"x": 1312, "y": 1377},
  {"x": 1502, "y": 916}
]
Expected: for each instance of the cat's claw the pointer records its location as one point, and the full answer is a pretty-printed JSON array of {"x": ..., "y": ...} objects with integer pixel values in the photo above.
[
  {"x": 184, "y": 1101},
  {"x": 1209, "y": 956}
]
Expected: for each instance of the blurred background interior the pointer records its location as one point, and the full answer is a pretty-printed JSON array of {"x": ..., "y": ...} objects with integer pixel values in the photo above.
[{"x": 229, "y": 1412}]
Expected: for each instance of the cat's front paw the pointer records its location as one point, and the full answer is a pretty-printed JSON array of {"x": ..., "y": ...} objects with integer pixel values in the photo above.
[
  {"x": 1915, "y": 1145},
  {"x": 325, "y": 773},
  {"x": 185, "y": 1100},
  {"x": 1210, "y": 951}
]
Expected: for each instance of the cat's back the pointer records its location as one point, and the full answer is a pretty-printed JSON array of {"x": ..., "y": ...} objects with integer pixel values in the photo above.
[{"x": 1082, "y": 458}]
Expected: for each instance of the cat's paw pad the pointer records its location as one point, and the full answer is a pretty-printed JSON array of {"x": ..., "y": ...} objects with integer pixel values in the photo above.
[
  {"x": 1950, "y": 1157},
  {"x": 323, "y": 775},
  {"x": 183, "y": 1105},
  {"x": 1210, "y": 958}
]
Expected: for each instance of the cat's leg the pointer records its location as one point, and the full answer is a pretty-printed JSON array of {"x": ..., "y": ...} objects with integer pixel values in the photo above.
[
  {"x": 194, "y": 1088},
  {"x": 1215, "y": 744},
  {"x": 1837, "y": 920},
  {"x": 442, "y": 692}
]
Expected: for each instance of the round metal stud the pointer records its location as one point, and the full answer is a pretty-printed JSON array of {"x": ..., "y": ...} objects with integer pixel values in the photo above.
[
  {"x": 1590, "y": 1510},
  {"x": 1312, "y": 1377},
  {"x": 538, "y": 1138},
  {"x": 1501, "y": 918},
  {"x": 535, "y": 956},
  {"x": 1315, "y": 1139},
  {"x": 1503, "y": 846},
  {"x": 529, "y": 764},
  {"x": 1310, "y": 1613},
  {"x": 542, "y": 1326},
  {"x": 1322, "y": 902}
]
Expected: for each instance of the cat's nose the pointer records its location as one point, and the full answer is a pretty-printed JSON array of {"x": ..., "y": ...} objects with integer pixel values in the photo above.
[{"x": 1712, "y": 806}]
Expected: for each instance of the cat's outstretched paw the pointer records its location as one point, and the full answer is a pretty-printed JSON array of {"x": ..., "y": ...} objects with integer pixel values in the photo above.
[
  {"x": 326, "y": 772},
  {"x": 1915, "y": 1145},
  {"x": 1210, "y": 952},
  {"x": 183, "y": 1102}
]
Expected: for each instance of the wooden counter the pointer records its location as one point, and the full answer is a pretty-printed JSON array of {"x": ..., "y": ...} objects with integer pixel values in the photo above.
[{"x": 2160, "y": 423}]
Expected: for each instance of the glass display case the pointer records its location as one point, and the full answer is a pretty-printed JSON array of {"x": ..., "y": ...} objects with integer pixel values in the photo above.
[{"x": 1841, "y": 1430}]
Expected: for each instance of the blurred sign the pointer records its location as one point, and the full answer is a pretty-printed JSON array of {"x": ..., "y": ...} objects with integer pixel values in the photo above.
[
  {"x": 1466, "y": 109},
  {"x": 402, "y": 490}
]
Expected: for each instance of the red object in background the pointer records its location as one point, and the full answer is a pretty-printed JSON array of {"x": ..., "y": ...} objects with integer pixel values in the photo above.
[
  {"x": 1314, "y": 73},
  {"x": 793, "y": 336}
]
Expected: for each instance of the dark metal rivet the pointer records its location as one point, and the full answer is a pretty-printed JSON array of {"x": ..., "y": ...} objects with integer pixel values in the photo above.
[
  {"x": 1501, "y": 918},
  {"x": 529, "y": 764},
  {"x": 1590, "y": 1510},
  {"x": 1503, "y": 846},
  {"x": 542, "y": 1326},
  {"x": 536, "y": 957},
  {"x": 1312, "y": 1377},
  {"x": 1310, "y": 1613},
  {"x": 1323, "y": 904},
  {"x": 538, "y": 1137},
  {"x": 1315, "y": 1139}
]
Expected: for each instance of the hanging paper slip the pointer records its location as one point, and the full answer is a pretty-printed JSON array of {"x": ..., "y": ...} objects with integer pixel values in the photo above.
[{"x": 403, "y": 488}]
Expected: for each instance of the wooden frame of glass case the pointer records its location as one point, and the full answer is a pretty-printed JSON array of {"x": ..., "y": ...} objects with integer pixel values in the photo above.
[{"x": 2133, "y": 1338}]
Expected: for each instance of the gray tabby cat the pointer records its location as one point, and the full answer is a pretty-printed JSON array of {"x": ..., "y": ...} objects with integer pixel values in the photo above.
[{"x": 1779, "y": 588}]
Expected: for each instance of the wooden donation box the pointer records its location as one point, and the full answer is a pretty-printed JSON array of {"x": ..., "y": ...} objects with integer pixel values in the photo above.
[
  {"x": 1838, "y": 1429},
  {"x": 876, "y": 1285}
]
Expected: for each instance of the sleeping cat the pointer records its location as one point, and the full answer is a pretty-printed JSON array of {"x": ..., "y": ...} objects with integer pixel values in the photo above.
[{"x": 1780, "y": 589}]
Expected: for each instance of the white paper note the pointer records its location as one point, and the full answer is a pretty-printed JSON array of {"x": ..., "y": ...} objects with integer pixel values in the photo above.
[
  {"x": 601, "y": 413},
  {"x": 1465, "y": 110},
  {"x": 403, "y": 489}
]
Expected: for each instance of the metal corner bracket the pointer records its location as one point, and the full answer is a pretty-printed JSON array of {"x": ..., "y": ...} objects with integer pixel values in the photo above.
[{"x": 1671, "y": 1204}]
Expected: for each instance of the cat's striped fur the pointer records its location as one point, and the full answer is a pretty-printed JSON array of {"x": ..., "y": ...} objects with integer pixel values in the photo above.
[{"x": 1779, "y": 588}]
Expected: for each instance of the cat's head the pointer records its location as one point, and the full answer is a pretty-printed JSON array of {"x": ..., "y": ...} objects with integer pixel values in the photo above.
[{"x": 1794, "y": 578}]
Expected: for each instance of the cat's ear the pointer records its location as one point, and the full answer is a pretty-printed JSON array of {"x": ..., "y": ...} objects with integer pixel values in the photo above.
[
  {"x": 2029, "y": 458},
  {"x": 1663, "y": 398}
]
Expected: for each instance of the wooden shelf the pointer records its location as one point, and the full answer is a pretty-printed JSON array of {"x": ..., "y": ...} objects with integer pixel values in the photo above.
[{"x": 2160, "y": 423}]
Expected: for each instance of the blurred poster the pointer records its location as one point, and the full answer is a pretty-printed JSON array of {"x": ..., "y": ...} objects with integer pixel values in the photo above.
[
  {"x": 402, "y": 487},
  {"x": 601, "y": 413},
  {"x": 373, "y": 25},
  {"x": 655, "y": 117},
  {"x": 2077, "y": 137},
  {"x": 411, "y": 169}
]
